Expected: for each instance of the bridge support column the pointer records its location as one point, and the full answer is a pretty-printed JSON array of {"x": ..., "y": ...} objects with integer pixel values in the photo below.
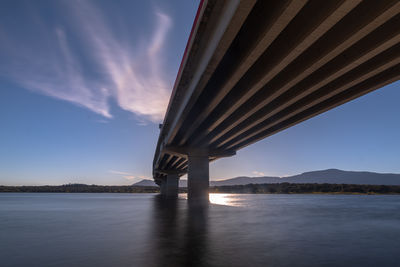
[
  {"x": 169, "y": 187},
  {"x": 198, "y": 178},
  {"x": 172, "y": 185},
  {"x": 163, "y": 187}
]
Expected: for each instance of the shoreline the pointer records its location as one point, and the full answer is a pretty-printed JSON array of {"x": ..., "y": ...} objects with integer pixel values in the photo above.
[{"x": 279, "y": 188}]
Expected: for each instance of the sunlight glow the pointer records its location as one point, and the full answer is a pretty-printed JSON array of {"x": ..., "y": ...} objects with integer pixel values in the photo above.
[
  {"x": 224, "y": 199},
  {"x": 233, "y": 200}
]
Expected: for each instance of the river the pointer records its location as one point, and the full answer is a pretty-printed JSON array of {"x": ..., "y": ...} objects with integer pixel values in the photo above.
[{"x": 233, "y": 230}]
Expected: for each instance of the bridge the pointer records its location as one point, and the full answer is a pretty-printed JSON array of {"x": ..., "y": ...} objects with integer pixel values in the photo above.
[{"x": 254, "y": 68}]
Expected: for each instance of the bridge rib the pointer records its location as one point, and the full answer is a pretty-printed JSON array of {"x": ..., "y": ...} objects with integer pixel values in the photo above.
[
  {"x": 208, "y": 38},
  {"x": 339, "y": 66},
  {"x": 178, "y": 163},
  {"x": 363, "y": 88},
  {"x": 313, "y": 99},
  {"x": 224, "y": 30},
  {"x": 290, "y": 44},
  {"x": 238, "y": 115},
  {"x": 251, "y": 41},
  {"x": 310, "y": 62}
]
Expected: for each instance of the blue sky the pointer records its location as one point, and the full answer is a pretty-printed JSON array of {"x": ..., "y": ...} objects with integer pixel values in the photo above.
[{"x": 84, "y": 84}]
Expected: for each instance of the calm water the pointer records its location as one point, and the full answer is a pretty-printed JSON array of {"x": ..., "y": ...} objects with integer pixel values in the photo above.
[{"x": 236, "y": 230}]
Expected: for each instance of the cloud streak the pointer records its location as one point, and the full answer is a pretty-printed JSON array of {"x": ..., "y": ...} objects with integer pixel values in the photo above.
[
  {"x": 103, "y": 67},
  {"x": 257, "y": 173},
  {"x": 129, "y": 176}
]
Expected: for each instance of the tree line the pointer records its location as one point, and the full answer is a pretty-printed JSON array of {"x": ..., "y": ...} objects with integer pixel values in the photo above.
[
  {"x": 307, "y": 188},
  {"x": 279, "y": 188},
  {"x": 80, "y": 188}
]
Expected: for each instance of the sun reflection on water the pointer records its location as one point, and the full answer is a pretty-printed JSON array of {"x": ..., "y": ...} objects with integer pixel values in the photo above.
[{"x": 224, "y": 199}]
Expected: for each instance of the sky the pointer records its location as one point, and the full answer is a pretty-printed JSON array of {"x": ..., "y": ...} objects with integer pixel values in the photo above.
[{"x": 84, "y": 85}]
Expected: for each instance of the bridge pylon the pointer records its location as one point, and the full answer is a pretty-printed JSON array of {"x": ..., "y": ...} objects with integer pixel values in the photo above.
[{"x": 198, "y": 172}]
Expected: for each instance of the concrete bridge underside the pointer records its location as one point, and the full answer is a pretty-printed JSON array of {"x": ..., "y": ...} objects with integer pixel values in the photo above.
[{"x": 254, "y": 68}]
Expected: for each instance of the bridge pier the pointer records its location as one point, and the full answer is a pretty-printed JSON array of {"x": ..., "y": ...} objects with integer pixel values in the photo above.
[
  {"x": 163, "y": 187},
  {"x": 169, "y": 187},
  {"x": 198, "y": 178},
  {"x": 197, "y": 169},
  {"x": 172, "y": 185}
]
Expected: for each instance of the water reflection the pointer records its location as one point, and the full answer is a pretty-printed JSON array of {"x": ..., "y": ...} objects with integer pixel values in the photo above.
[
  {"x": 236, "y": 200},
  {"x": 146, "y": 230},
  {"x": 180, "y": 233},
  {"x": 225, "y": 199}
]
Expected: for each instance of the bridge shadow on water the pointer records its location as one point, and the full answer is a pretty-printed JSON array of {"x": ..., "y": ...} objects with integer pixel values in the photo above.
[{"x": 180, "y": 233}]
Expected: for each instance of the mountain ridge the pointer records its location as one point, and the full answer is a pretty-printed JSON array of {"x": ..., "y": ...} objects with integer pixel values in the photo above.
[{"x": 332, "y": 176}]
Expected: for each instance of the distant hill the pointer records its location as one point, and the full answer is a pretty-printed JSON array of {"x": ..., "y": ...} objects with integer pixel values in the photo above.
[
  {"x": 331, "y": 176},
  {"x": 145, "y": 182},
  {"x": 335, "y": 176},
  {"x": 242, "y": 180}
]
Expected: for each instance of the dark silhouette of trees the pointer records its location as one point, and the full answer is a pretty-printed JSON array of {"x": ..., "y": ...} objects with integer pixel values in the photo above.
[
  {"x": 281, "y": 188},
  {"x": 289, "y": 188},
  {"x": 80, "y": 188}
]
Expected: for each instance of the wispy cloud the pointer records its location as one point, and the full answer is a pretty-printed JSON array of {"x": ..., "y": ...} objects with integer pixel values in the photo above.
[
  {"x": 257, "y": 173},
  {"x": 118, "y": 172},
  {"x": 130, "y": 73},
  {"x": 128, "y": 176}
]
